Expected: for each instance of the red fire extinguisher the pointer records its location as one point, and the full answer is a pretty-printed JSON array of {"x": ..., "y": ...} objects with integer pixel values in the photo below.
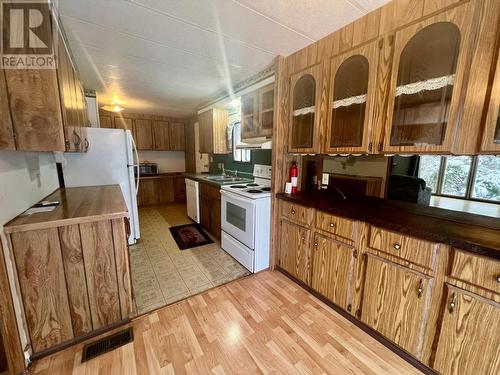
[{"x": 294, "y": 174}]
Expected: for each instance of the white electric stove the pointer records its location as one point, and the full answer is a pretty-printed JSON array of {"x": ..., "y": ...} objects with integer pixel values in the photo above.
[{"x": 246, "y": 220}]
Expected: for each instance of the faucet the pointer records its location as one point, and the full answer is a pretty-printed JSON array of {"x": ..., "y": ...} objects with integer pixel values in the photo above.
[
  {"x": 223, "y": 170},
  {"x": 236, "y": 173}
]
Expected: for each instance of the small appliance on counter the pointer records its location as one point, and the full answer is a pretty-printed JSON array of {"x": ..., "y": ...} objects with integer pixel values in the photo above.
[{"x": 147, "y": 168}]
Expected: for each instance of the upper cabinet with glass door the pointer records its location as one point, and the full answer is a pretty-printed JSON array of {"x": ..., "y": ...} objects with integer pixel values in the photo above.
[
  {"x": 426, "y": 82},
  {"x": 305, "y": 104},
  {"x": 250, "y": 115},
  {"x": 491, "y": 136},
  {"x": 352, "y": 95}
]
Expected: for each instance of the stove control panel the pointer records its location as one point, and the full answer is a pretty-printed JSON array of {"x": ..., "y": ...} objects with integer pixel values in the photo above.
[{"x": 262, "y": 171}]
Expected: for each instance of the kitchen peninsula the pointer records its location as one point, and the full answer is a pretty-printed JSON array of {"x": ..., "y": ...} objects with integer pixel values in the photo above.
[{"x": 72, "y": 266}]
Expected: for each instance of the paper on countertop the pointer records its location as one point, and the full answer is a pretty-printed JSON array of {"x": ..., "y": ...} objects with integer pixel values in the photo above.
[{"x": 36, "y": 210}]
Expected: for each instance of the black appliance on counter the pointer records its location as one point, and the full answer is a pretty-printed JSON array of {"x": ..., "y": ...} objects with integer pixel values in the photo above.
[{"x": 148, "y": 169}]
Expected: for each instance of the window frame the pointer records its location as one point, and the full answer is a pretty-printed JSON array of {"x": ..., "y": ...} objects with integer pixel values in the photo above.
[
  {"x": 470, "y": 180},
  {"x": 241, "y": 150}
]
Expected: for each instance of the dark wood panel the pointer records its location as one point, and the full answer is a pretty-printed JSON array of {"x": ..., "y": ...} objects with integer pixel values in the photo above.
[
  {"x": 161, "y": 135},
  {"x": 41, "y": 276},
  {"x": 177, "y": 136},
  {"x": 76, "y": 282},
  {"x": 102, "y": 283},
  {"x": 149, "y": 192},
  {"x": 122, "y": 267},
  {"x": 166, "y": 192}
]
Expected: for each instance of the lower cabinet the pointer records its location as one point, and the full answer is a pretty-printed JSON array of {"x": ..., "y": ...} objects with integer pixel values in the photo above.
[
  {"x": 161, "y": 190},
  {"x": 469, "y": 339},
  {"x": 74, "y": 280},
  {"x": 333, "y": 270},
  {"x": 210, "y": 209},
  {"x": 295, "y": 251},
  {"x": 394, "y": 303}
]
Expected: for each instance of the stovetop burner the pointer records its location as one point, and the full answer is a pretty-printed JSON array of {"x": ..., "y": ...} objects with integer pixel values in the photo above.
[
  {"x": 266, "y": 189},
  {"x": 238, "y": 187},
  {"x": 250, "y": 185},
  {"x": 254, "y": 191}
]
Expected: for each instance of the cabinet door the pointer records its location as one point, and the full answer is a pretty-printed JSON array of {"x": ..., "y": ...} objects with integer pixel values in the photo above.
[
  {"x": 305, "y": 116},
  {"x": 124, "y": 123},
  {"x": 6, "y": 132},
  {"x": 177, "y": 136},
  {"x": 215, "y": 212},
  {"x": 426, "y": 83},
  {"x": 491, "y": 135},
  {"x": 469, "y": 341},
  {"x": 250, "y": 115},
  {"x": 352, "y": 98},
  {"x": 149, "y": 192},
  {"x": 105, "y": 121},
  {"x": 394, "y": 303},
  {"x": 180, "y": 190},
  {"x": 205, "y": 126},
  {"x": 161, "y": 135},
  {"x": 165, "y": 190},
  {"x": 295, "y": 251},
  {"x": 266, "y": 111},
  {"x": 144, "y": 134},
  {"x": 332, "y": 270},
  {"x": 219, "y": 132},
  {"x": 205, "y": 206},
  {"x": 35, "y": 109}
]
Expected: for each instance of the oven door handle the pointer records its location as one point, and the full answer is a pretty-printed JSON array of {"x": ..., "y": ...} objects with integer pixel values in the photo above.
[{"x": 235, "y": 197}]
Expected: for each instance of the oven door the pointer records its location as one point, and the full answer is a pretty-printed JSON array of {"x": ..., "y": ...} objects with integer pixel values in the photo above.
[{"x": 238, "y": 217}]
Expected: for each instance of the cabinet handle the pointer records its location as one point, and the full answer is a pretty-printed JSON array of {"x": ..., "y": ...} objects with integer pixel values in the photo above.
[
  {"x": 87, "y": 144},
  {"x": 316, "y": 244},
  {"x": 332, "y": 225},
  {"x": 397, "y": 246},
  {"x": 349, "y": 307},
  {"x": 292, "y": 211},
  {"x": 453, "y": 302},
  {"x": 498, "y": 279},
  {"x": 78, "y": 140},
  {"x": 420, "y": 289}
]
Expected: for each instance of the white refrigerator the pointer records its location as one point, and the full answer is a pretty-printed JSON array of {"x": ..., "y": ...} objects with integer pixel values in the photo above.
[{"x": 111, "y": 159}]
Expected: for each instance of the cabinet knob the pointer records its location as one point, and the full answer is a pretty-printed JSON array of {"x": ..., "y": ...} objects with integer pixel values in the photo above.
[
  {"x": 498, "y": 279},
  {"x": 332, "y": 225},
  {"x": 316, "y": 244},
  {"x": 420, "y": 289},
  {"x": 303, "y": 238},
  {"x": 292, "y": 211},
  {"x": 397, "y": 246},
  {"x": 453, "y": 302}
]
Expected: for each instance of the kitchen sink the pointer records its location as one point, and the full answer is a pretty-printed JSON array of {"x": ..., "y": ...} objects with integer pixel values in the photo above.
[{"x": 222, "y": 179}]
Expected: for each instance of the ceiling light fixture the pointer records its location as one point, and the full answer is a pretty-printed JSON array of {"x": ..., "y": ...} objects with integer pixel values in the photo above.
[{"x": 113, "y": 108}]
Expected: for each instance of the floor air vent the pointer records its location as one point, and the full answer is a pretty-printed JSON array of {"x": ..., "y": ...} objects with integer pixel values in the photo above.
[{"x": 107, "y": 344}]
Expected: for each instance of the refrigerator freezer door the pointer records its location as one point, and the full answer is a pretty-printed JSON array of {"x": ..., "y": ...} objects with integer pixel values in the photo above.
[{"x": 105, "y": 163}]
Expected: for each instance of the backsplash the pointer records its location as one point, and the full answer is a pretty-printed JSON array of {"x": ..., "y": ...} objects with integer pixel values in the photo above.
[{"x": 263, "y": 157}]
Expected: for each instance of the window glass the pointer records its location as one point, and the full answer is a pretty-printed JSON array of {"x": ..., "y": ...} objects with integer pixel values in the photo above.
[
  {"x": 456, "y": 175},
  {"x": 428, "y": 170},
  {"x": 487, "y": 179},
  {"x": 239, "y": 154}
]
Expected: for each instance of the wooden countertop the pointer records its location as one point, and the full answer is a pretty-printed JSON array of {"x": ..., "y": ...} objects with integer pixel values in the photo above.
[
  {"x": 77, "y": 205},
  {"x": 473, "y": 233},
  {"x": 163, "y": 175}
]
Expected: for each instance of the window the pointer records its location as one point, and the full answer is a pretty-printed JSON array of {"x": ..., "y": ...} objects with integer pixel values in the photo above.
[
  {"x": 239, "y": 154},
  {"x": 467, "y": 177}
]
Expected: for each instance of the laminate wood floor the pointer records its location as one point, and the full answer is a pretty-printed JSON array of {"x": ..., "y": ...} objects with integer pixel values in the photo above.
[{"x": 263, "y": 323}]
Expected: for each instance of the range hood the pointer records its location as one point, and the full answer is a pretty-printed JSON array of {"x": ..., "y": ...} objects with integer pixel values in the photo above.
[{"x": 255, "y": 143}]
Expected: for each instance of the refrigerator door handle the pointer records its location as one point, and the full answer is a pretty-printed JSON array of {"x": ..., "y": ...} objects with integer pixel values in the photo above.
[{"x": 137, "y": 166}]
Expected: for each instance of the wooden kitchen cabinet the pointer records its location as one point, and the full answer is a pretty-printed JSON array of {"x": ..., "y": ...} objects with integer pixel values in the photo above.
[
  {"x": 105, "y": 121},
  {"x": 149, "y": 192},
  {"x": 165, "y": 190},
  {"x": 469, "y": 342},
  {"x": 266, "y": 110},
  {"x": 210, "y": 209},
  {"x": 491, "y": 135},
  {"x": 72, "y": 266},
  {"x": 7, "y": 141},
  {"x": 306, "y": 120},
  {"x": 161, "y": 135},
  {"x": 177, "y": 136},
  {"x": 125, "y": 123},
  {"x": 351, "y": 101},
  {"x": 333, "y": 270},
  {"x": 143, "y": 130},
  {"x": 394, "y": 303},
  {"x": 425, "y": 87},
  {"x": 250, "y": 115},
  {"x": 295, "y": 251},
  {"x": 180, "y": 189},
  {"x": 213, "y": 131}
]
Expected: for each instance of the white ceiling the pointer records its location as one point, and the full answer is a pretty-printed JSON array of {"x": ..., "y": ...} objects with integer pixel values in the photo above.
[{"x": 171, "y": 56}]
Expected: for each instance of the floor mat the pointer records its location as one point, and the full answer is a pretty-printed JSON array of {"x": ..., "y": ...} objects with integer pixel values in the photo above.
[{"x": 189, "y": 236}]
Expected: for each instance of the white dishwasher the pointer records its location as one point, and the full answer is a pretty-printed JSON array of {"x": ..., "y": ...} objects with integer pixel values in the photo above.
[{"x": 193, "y": 199}]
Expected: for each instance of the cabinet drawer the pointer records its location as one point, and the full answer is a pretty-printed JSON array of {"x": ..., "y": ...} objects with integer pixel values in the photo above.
[
  {"x": 411, "y": 249},
  {"x": 336, "y": 225},
  {"x": 476, "y": 270},
  {"x": 297, "y": 213}
]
